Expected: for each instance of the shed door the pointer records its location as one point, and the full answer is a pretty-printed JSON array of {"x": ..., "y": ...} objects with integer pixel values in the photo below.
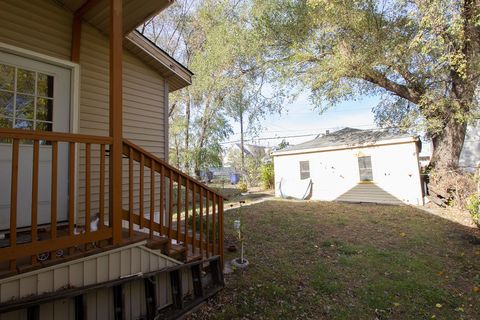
[{"x": 33, "y": 96}]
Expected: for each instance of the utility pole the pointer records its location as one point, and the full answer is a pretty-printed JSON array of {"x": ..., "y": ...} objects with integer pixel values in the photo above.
[{"x": 241, "y": 141}]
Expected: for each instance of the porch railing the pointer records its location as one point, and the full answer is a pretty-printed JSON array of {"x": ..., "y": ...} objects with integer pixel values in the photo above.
[
  {"x": 160, "y": 202},
  {"x": 178, "y": 207},
  {"x": 57, "y": 238}
]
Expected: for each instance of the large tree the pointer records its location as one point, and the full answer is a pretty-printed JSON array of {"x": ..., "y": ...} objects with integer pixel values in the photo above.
[
  {"x": 214, "y": 39},
  {"x": 422, "y": 55}
]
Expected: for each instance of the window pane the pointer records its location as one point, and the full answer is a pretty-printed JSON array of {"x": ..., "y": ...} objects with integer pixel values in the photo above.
[
  {"x": 44, "y": 109},
  {"x": 5, "y": 122},
  {"x": 7, "y": 77},
  {"x": 44, "y": 126},
  {"x": 25, "y": 81},
  {"x": 365, "y": 168},
  {"x": 23, "y": 124},
  {"x": 6, "y": 103},
  {"x": 304, "y": 170},
  {"x": 24, "y": 108},
  {"x": 45, "y": 85}
]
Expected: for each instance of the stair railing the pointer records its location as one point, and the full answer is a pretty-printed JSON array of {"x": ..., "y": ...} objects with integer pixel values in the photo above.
[{"x": 173, "y": 206}]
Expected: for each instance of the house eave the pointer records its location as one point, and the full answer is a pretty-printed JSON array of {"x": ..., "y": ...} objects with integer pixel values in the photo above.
[
  {"x": 174, "y": 72},
  {"x": 412, "y": 139},
  {"x": 135, "y": 12}
]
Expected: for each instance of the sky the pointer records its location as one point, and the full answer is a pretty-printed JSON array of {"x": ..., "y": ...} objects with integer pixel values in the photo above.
[{"x": 300, "y": 119}]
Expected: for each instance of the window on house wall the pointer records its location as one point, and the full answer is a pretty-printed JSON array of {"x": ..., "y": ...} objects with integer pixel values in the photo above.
[
  {"x": 304, "y": 170},
  {"x": 26, "y": 99},
  {"x": 365, "y": 168}
]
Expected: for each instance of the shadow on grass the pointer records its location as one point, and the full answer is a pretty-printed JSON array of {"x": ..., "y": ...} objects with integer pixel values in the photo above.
[{"x": 322, "y": 260}]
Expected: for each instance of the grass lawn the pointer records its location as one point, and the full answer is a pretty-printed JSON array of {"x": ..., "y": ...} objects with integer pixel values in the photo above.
[{"x": 322, "y": 260}]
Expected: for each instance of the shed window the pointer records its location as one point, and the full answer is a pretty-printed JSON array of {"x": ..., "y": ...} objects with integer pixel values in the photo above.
[
  {"x": 365, "y": 168},
  {"x": 304, "y": 170}
]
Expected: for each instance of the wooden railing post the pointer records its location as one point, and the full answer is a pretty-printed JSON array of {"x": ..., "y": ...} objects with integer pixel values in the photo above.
[
  {"x": 221, "y": 229},
  {"x": 36, "y": 160},
  {"x": 207, "y": 222},
  {"x": 116, "y": 53},
  {"x": 194, "y": 229},
  {"x": 71, "y": 191},
  {"x": 13, "y": 201},
  {"x": 53, "y": 195}
]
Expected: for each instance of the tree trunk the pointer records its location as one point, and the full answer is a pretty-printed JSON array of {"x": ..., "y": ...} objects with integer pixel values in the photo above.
[{"x": 447, "y": 145}]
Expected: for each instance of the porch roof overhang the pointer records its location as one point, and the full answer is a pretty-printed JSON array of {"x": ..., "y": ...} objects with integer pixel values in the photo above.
[
  {"x": 135, "y": 12},
  {"x": 174, "y": 72},
  {"x": 97, "y": 12}
]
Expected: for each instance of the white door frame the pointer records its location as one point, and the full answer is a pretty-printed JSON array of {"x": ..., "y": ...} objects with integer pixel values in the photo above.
[{"x": 74, "y": 92}]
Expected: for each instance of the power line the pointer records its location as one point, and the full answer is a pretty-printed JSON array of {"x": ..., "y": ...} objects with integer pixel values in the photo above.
[
  {"x": 273, "y": 138},
  {"x": 368, "y": 126}
]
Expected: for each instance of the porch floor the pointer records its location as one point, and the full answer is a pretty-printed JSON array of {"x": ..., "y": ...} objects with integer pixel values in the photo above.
[{"x": 47, "y": 259}]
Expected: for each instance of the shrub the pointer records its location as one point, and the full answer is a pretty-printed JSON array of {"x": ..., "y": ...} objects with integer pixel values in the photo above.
[
  {"x": 243, "y": 186},
  {"x": 267, "y": 175},
  {"x": 204, "y": 224},
  {"x": 473, "y": 206}
]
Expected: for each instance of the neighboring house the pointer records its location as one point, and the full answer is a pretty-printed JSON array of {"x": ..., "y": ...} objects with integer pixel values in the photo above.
[
  {"x": 470, "y": 156},
  {"x": 90, "y": 210},
  {"x": 351, "y": 165}
]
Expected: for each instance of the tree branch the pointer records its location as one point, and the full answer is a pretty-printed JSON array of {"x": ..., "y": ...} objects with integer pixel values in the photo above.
[{"x": 403, "y": 91}]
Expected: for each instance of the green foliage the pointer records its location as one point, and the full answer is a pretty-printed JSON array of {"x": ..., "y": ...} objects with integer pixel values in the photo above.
[
  {"x": 243, "y": 186},
  {"x": 415, "y": 54},
  {"x": 253, "y": 164},
  {"x": 473, "y": 206},
  {"x": 267, "y": 175},
  {"x": 283, "y": 144},
  {"x": 204, "y": 226},
  {"x": 216, "y": 41}
]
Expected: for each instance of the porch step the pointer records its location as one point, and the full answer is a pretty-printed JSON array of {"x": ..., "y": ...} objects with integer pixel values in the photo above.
[
  {"x": 159, "y": 243},
  {"x": 193, "y": 258},
  {"x": 177, "y": 252}
]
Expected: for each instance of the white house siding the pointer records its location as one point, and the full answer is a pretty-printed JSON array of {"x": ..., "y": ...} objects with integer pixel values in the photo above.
[
  {"x": 44, "y": 27},
  {"x": 335, "y": 175},
  {"x": 470, "y": 156}
]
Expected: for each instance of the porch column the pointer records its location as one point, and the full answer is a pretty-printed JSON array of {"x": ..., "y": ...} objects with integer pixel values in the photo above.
[{"x": 116, "y": 38}]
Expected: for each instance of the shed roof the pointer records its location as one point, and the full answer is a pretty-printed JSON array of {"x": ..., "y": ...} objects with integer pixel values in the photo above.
[{"x": 348, "y": 138}]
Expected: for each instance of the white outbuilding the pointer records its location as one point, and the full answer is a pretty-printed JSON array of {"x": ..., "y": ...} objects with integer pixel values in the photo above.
[{"x": 351, "y": 165}]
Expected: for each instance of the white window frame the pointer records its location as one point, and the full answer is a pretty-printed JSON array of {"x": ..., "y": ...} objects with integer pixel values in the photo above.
[
  {"x": 362, "y": 180},
  {"x": 74, "y": 83},
  {"x": 304, "y": 173}
]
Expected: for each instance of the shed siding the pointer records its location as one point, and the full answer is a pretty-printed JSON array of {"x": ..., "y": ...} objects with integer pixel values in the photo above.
[
  {"x": 335, "y": 175},
  {"x": 47, "y": 29}
]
